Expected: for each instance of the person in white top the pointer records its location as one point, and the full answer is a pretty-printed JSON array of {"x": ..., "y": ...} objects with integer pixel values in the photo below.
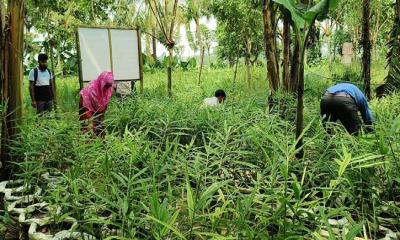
[
  {"x": 41, "y": 87},
  {"x": 219, "y": 97}
]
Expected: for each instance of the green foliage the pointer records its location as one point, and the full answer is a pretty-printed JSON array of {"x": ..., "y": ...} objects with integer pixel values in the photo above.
[
  {"x": 340, "y": 36},
  {"x": 350, "y": 75},
  {"x": 349, "y": 15},
  {"x": 393, "y": 58},
  {"x": 169, "y": 168},
  {"x": 237, "y": 37},
  {"x": 55, "y": 22}
]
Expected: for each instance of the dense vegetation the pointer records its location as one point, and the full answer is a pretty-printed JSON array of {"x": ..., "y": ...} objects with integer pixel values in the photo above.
[{"x": 170, "y": 168}]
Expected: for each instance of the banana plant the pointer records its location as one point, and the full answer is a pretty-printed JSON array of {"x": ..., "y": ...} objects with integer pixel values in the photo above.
[{"x": 302, "y": 22}]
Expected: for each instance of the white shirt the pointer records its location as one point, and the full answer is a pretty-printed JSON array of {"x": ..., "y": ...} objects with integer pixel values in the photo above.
[
  {"x": 211, "y": 102},
  {"x": 43, "y": 79}
]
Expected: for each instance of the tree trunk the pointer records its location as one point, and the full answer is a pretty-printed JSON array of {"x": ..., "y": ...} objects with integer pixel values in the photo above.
[
  {"x": 392, "y": 81},
  {"x": 53, "y": 71},
  {"x": 92, "y": 11},
  {"x": 154, "y": 40},
  {"x": 286, "y": 54},
  {"x": 366, "y": 44},
  {"x": 398, "y": 9},
  {"x": 3, "y": 91},
  {"x": 171, "y": 52},
  {"x": 236, "y": 68},
  {"x": 12, "y": 89},
  {"x": 201, "y": 47},
  {"x": 209, "y": 55},
  {"x": 201, "y": 63},
  {"x": 248, "y": 72},
  {"x": 270, "y": 48},
  {"x": 2, "y": 50},
  {"x": 148, "y": 45},
  {"x": 294, "y": 71},
  {"x": 300, "y": 109}
]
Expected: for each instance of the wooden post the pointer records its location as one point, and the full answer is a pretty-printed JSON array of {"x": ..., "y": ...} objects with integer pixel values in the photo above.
[
  {"x": 110, "y": 49},
  {"x": 140, "y": 61},
  {"x": 79, "y": 59}
]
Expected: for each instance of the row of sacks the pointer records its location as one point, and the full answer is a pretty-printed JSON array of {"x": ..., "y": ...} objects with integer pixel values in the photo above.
[
  {"x": 25, "y": 208},
  {"x": 342, "y": 227},
  {"x": 385, "y": 226}
]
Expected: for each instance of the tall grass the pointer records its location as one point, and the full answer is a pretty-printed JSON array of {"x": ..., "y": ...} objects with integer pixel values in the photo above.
[{"x": 170, "y": 169}]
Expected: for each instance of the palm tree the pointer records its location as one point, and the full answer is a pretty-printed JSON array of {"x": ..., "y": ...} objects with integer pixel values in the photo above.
[
  {"x": 392, "y": 82},
  {"x": 125, "y": 13},
  {"x": 166, "y": 16},
  {"x": 149, "y": 25},
  {"x": 366, "y": 45},
  {"x": 194, "y": 10}
]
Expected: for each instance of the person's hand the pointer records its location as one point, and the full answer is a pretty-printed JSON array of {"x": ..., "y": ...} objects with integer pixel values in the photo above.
[
  {"x": 369, "y": 129},
  {"x": 34, "y": 104}
]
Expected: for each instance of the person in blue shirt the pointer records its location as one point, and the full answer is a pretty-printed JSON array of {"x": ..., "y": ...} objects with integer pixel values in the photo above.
[{"x": 343, "y": 102}]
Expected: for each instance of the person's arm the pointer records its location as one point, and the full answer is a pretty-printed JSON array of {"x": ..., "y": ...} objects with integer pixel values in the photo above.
[
  {"x": 32, "y": 88},
  {"x": 366, "y": 112},
  {"x": 32, "y": 93}
]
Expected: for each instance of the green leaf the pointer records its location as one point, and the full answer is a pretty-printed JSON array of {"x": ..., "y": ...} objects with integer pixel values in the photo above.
[
  {"x": 295, "y": 14},
  {"x": 297, "y": 190},
  {"x": 170, "y": 227},
  {"x": 190, "y": 199},
  {"x": 320, "y": 10},
  {"x": 209, "y": 193},
  {"x": 333, "y": 4},
  {"x": 354, "y": 231}
]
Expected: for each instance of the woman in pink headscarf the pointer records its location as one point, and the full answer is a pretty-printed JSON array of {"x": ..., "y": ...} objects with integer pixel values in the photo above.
[{"x": 94, "y": 100}]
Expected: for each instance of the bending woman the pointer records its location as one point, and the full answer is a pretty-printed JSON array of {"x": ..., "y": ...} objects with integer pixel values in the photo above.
[{"x": 94, "y": 100}]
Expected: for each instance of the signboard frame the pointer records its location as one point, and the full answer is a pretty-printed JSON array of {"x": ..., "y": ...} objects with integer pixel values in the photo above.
[{"x": 78, "y": 47}]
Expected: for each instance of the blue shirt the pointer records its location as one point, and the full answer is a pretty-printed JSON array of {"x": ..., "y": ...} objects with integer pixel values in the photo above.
[{"x": 357, "y": 96}]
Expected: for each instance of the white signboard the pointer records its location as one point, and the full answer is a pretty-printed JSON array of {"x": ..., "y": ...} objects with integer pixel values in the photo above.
[{"x": 115, "y": 50}]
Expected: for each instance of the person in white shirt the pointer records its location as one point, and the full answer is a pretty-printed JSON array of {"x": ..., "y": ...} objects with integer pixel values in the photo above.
[
  {"x": 219, "y": 97},
  {"x": 41, "y": 86}
]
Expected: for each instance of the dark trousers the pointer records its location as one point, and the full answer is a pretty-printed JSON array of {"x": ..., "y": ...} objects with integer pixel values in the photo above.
[
  {"x": 341, "y": 108},
  {"x": 44, "y": 106}
]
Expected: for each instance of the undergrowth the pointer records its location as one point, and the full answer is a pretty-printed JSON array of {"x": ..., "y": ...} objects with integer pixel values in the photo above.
[{"x": 171, "y": 169}]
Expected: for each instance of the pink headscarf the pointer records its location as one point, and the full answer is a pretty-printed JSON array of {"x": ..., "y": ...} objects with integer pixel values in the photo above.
[{"x": 96, "y": 96}]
